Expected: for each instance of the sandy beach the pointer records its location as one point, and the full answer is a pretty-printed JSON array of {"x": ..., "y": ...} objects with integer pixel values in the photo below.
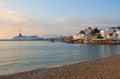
[{"x": 104, "y": 68}]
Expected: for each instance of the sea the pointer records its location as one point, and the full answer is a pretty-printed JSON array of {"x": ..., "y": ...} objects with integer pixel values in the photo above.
[{"x": 20, "y": 56}]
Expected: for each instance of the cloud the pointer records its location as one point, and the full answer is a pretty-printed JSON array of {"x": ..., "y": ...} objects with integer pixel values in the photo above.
[
  {"x": 2, "y": 3},
  {"x": 14, "y": 17},
  {"x": 72, "y": 25},
  {"x": 11, "y": 22},
  {"x": 94, "y": 22}
]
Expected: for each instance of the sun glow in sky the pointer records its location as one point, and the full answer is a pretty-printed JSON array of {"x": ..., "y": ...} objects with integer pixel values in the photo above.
[{"x": 63, "y": 17}]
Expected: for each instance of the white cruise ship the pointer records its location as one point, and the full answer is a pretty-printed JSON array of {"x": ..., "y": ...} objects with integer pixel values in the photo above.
[{"x": 21, "y": 37}]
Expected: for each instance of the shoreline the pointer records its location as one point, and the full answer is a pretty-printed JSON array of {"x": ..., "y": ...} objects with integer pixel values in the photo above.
[{"x": 103, "y": 68}]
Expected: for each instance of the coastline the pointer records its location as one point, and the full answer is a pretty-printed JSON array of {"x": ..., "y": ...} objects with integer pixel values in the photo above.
[{"x": 103, "y": 68}]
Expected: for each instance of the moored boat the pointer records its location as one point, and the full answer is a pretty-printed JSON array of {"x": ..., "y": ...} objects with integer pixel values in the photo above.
[{"x": 20, "y": 37}]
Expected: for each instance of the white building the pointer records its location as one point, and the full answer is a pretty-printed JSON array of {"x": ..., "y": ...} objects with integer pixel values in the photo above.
[
  {"x": 88, "y": 31},
  {"x": 113, "y": 30},
  {"x": 78, "y": 36},
  {"x": 118, "y": 34},
  {"x": 103, "y": 33}
]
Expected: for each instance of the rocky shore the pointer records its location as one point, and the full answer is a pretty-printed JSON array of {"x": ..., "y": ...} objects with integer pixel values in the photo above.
[{"x": 104, "y": 68}]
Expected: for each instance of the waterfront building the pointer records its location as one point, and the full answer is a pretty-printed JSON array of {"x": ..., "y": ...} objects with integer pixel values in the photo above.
[{"x": 111, "y": 32}]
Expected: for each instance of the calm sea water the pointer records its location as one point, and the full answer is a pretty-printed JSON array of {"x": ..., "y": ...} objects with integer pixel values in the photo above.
[{"x": 19, "y": 56}]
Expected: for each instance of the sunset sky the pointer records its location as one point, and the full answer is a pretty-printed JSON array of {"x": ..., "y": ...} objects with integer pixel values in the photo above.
[{"x": 63, "y": 17}]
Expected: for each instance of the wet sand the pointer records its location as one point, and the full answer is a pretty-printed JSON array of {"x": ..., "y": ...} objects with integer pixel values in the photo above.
[{"x": 104, "y": 68}]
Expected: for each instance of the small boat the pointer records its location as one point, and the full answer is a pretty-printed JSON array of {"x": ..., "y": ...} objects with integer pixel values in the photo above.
[{"x": 52, "y": 40}]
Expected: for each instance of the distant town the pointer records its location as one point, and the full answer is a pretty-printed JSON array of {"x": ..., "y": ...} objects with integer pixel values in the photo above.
[
  {"x": 109, "y": 35},
  {"x": 89, "y": 35}
]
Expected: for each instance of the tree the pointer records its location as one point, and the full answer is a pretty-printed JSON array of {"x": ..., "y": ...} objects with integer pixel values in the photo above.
[
  {"x": 95, "y": 31},
  {"x": 110, "y": 34},
  {"x": 82, "y": 32}
]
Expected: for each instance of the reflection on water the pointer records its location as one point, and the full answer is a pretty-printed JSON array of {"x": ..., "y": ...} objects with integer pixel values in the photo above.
[{"x": 18, "y": 56}]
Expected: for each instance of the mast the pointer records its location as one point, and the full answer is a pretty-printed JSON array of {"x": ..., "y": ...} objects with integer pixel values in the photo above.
[{"x": 20, "y": 32}]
